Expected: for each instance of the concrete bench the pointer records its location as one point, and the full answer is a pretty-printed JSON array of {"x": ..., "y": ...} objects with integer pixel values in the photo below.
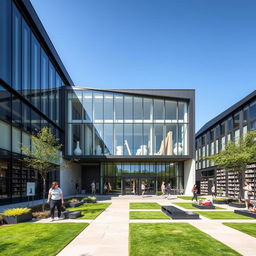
[
  {"x": 178, "y": 214},
  {"x": 204, "y": 207},
  {"x": 245, "y": 213},
  {"x": 74, "y": 215}
]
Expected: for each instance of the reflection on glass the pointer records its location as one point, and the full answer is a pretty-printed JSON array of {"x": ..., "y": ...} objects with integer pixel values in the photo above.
[
  {"x": 138, "y": 109},
  {"x": 158, "y": 110},
  {"x": 148, "y": 109},
  {"x": 159, "y": 147},
  {"x": 128, "y": 109},
  {"x": 108, "y": 107},
  {"x": 118, "y": 103},
  {"x": 119, "y": 139},
  {"x": 98, "y": 106},
  {"x": 182, "y": 111},
  {"x": 171, "y": 111},
  {"x": 87, "y": 105},
  {"x": 138, "y": 147},
  {"x": 148, "y": 139},
  {"x": 108, "y": 139},
  {"x": 77, "y": 107},
  {"x": 98, "y": 139},
  {"x": 128, "y": 139}
]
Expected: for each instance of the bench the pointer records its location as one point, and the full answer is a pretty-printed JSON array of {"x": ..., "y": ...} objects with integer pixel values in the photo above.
[
  {"x": 178, "y": 214},
  {"x": 204, "y": 207},
  {"x": 75, "y": 204},
  {"x": 74, "y": 215},
  {"x": 245, "y": 213}
]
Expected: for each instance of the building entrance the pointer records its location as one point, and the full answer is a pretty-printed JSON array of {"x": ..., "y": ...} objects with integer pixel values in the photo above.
[{"x": 132, "y": 185}]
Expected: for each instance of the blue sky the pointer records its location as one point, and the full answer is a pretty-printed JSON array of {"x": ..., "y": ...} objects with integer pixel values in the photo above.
[{"x": 209, "y": 46}]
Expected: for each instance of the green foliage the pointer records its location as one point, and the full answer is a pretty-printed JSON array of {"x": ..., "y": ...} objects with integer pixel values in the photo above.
[
  {"x": 189, "y": 197},
  {"x": 222, "y": 215},
  {"x": 15, "y": 211},
  {"x": 45, "y": 153},
  {"x": 236, "y": 156},
  {"x": 90, "y": 198},
  {"x": 248, "y": 228},
  {"x": 41, "y": 215}
]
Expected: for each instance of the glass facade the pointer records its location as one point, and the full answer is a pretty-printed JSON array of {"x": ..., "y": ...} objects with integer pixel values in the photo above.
[
  {"x": 121, "y": 175},
  {"x": 105, "y": 123}
]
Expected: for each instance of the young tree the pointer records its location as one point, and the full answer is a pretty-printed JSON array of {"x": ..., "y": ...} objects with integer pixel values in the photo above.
[
  {"x": 44, "y": 155},
  {"x": 236, "y": 156}
]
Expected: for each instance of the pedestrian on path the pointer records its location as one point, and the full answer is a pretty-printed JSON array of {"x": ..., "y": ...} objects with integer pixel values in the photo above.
[
  {"x": 168, "y": 189},
  {"x": 93, "y": 186},
  {"x": 55, "y": 198},
  {"x": 213, "y": 191},
  {"x": 143, "y": 188},
  {"x": 163, "y": 188},
  {"x": 194, "y": 191},
  {"x": 247, "y": 193}
]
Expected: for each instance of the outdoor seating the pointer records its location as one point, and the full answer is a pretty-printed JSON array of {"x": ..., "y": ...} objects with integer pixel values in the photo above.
[
  {"x": 176, "y": 213},
  {"x": 74, "y": 215},
  {"x": 204, "y": 207},
  {"x": 245, "y": 213}
]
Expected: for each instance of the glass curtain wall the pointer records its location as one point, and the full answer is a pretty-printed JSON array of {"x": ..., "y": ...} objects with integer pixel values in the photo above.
[{"x": 104, "y": 123}]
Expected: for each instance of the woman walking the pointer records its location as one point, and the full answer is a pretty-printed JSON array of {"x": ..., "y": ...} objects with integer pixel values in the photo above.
[
  {"x": 247, "y": 193},
  {"x": 194, "y": 191},
  {"x": 163, "y": 188},
  {"x": 55, "y": 198},
  {"x": 143, "y": 188}
]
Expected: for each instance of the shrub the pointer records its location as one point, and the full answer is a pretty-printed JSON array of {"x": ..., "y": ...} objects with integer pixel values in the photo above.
[
  {"x": 73, "y": 200},
  {"x": 89, "y": 198},
  {"x": 16, "y": 211},
  {"x": 41, "y": 215},
  {"x": 220, "y": 199},
  {"x": 1, "y": 219}
]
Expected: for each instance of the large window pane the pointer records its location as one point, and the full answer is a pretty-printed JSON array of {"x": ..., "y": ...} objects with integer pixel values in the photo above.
[
  {"x": 44, "y": 83},
  {"x": 52, "y": 86},
  {"x": 108, "y": 107},
  {"x": 138, "y": 109},
  {"x": 148, "y": 139},
  {"x": 138, "y": 147},
  {"x": 25, "y": 58},
  {"x": 128, "y": 108},
  {"x": 119, "y": 108},
  {"x": 128, "y": 139},
  {"x": 88, "y": 136},
  {"x": 5, "y": 105},
  {"x": 35, "y": 69},
  {"x": 171, "y": 139},
  {"x": 98, "y": 106},
  {"x": 16, "y": 49},
  {"x": 108, "y": 139},
  {"x": 77, "y": 107},
  {"x": 98, "y": 139},
  {"x": 58, "y": 85},
  {"x": 148, "y": 109},
  {"x": 87, "y": 105},
  {"x": 5, "y": 142},
  {"x": 182, "y": 112},
  {"x": 159, "y": 143},
  {"x": 181, "y": 148},
  {"x": 159, "y": 110},
  {"x": 171, "y": 108},
  {"x": 16, "y": 112},
  {"x": 252, "y": 110},
  {"x": 16, "y": 140},
  {"x": 119, "y": 139},
  {"x": 26, "y": 118}
]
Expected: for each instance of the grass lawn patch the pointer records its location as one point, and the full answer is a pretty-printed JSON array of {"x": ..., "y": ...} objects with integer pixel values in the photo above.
[
  {"x": 248, "y": 228},
  {"x": 222, "y": 215},
  {"x": 33, "y": 239},
  {"x": 168, "y": 239},
  {"x": 90, "y": 211},
  {"x": 190, "y": 197},
  {"x": 137, "y": 215},
  {"x": 189, "y": 206},
  {"x": 145, "y": 206}
]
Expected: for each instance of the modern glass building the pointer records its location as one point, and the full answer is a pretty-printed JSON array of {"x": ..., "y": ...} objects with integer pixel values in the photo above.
[
  {"x": 232, "y": 124},
  {"x": 119, "y": 137}
]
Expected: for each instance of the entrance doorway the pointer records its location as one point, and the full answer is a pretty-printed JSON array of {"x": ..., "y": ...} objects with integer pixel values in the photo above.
[{"x": 132, "y": 185}]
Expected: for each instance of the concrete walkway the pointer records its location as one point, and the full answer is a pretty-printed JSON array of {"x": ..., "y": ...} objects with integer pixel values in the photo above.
[{"x": 107, "y": 235}]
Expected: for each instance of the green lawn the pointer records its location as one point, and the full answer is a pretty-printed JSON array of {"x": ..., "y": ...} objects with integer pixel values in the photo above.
[
  {"x": 168, "y": 239},
  {"x": 90, "y": 211},
  {"x": 189, "y": 206},
  {"x": 145, "y": 206},
  {"x": 222, "y": 215},
  {"x": 190, "y": 197},
  {"x": 136, "y": 215},
  {"x": 33, "y": 239},
  {"x": 248, "y": 228}
]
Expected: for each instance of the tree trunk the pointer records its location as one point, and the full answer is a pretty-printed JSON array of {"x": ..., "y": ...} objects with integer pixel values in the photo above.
[{"x": 44, "y": 190}]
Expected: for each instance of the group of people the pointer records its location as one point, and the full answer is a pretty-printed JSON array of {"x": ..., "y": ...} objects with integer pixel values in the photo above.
[{"x": 166, "y": 189}]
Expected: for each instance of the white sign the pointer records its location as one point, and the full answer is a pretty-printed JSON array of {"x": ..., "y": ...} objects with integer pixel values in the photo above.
[{"x": 31, "y": 187}]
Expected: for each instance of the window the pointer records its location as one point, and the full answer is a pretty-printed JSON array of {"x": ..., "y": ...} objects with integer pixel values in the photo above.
[
  {"x": 138, "y": 148},
  {"x": 77, "y": 107},
  {"x": 245, "y": 115},
  {"x": 182, "y": 111},
  {"x": 211, "y": 135},
  {"x": 119, "y": 139},
  {"x": 148, "y": 109},
  {"x": 147, "y": 139},
  {"x": 159, "y": 110},
  {"x": 118, "y": 102},
  {"x": 108, "y": 108},
  {"x": 5, "y": 142},
  {"x": 236, "y": 135},
  {"x": 128, "y": 108},
  {"x": 253, "y": 126},
  {"x": 108, "y": 139},
  {"x": 236, "y": 121},
  {"x": 222, "y": 129},
  {"x": 171, "y": 111},
  {"x": 128, "y": 139},
  {"x": 44, "y": 83},
  {"x": 5, "y": 105},
  {"x": 98, "y": 106},
  {"x": 35, "y": 69},
  {"x": 159, "y": 145},
  {"x": 16, "y": 112},
  {"x": 16, "y": 49},
  {"x": 138, "y": 110},
  {"x": 87, "y": 105},
  {"x": 252, "y": 110},
  {"x": 52, "y": 91},
  {"x": 25, "y": 58}
]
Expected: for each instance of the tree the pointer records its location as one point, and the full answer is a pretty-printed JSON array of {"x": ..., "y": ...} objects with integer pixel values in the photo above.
[
  {"x": 236, "y": 156},
  {"x": 44, "y": 155}
]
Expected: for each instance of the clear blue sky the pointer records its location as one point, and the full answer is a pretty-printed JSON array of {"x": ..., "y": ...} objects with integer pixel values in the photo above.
[{"x": 209, "y": 46}]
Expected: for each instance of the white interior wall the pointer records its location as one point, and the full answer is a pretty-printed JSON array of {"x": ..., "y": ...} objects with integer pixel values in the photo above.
[
  {"x": 189, "y": 176},
  {"x": 70, "y": 174}
]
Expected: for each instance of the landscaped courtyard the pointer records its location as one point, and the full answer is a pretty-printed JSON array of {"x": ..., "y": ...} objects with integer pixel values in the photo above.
[{"x": 134, "y": 227}]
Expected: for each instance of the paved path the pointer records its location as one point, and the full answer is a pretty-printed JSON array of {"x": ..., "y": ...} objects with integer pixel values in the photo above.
[{"x": 105, "y": 236}]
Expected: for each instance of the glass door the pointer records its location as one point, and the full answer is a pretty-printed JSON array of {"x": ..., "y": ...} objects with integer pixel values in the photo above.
[{"x": 130, "y": 186}]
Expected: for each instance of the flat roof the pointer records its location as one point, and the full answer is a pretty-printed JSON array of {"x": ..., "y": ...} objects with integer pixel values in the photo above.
[{"x": 225, "y": 113}]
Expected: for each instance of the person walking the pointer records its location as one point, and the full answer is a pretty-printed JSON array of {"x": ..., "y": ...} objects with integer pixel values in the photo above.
[
  {"x": 194, "y": 191},
  {"x": 247, "y": 193},
  {"x": 55, "y": 198},
  {"x": 143, "y": 188},
  {"x": 163, "y": 188},
  {"x": 168, "y": 189},
  {"x": 105, "y": 188},
  {"x": 213, "y": 191},
  {"x": 93, "y": 187}
]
